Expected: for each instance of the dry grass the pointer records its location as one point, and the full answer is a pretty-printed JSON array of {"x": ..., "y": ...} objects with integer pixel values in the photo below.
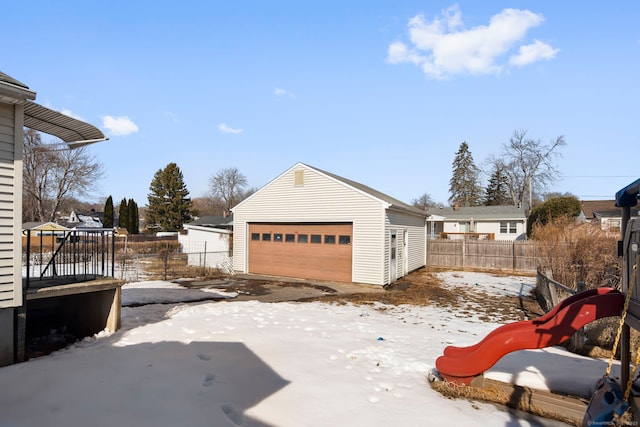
[
  {"x": 422, "y": 287},
  {"x": 574, "y": 253}
]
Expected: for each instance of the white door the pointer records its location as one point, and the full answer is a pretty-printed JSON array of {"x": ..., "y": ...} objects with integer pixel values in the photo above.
[{"x": 393, "y": 265}]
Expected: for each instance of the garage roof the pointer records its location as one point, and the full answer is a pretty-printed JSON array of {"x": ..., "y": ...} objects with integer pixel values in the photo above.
[{"x": 73, "y": 132}]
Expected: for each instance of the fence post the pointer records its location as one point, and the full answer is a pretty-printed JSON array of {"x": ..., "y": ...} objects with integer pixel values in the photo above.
[
  {"x": 464, "y": 248},
  {"x": 577, "y": 339}
]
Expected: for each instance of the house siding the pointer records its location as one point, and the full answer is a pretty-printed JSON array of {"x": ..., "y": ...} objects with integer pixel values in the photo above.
[
  {"x": 10, "y": 204},
  {"x": 206, "y": 247},
  {"x": 416, "y": 240},
  {"x": 319, "y": 199}
]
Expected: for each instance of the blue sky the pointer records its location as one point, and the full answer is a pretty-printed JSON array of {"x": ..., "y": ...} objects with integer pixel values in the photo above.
[{"x": 381, "y": 92}]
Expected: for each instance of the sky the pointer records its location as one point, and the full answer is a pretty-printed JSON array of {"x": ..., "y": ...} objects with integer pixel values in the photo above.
[
  {"x": 379, "y": 92},
  {"x": 253, "y": 364}
]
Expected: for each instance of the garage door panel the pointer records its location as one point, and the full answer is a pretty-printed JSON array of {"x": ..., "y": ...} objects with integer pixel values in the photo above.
[{"x": 324, "y": 261}]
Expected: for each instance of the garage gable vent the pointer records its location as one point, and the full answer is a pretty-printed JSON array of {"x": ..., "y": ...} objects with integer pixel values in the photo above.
[{"x": 298, "y": 178}]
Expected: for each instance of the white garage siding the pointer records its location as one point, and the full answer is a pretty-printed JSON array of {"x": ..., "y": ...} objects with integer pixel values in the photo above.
[
  {"x": 10, "y": 205},
  {"x": 414, "y": 225},
  {"x": 305, "y": 195}
]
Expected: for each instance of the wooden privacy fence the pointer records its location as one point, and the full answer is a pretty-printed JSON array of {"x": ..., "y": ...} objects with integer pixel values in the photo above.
[{"x": 489, "y": 254}]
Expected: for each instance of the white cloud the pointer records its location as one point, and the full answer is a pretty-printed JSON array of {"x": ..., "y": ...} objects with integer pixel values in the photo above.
[
  {"x": 532, "y": 53},
  {"x": 68, "y": 112},
  {"x": 282, "y": 92},
  {"x": 119, "y": 126},
  {"x": 443, "y": 46},
  {"x": 227, "y": 129}
]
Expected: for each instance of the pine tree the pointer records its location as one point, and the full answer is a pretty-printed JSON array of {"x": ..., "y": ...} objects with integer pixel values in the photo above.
[
  {"x": 123, "y": 211},
  {"x": 464, "y": 186},
  {"x": 133, "y": 215},
  {"x": 169, "y": 206},
  {"x": 497, "y": 191},
  {"x": 108, "y": 213}
]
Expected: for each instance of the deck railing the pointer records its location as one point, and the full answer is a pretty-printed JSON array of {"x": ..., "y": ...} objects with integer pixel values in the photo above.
[{"x": 57, "y": 257}]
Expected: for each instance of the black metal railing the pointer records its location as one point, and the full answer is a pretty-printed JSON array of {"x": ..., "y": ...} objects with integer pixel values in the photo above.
[{"x": 69, "y": 256}]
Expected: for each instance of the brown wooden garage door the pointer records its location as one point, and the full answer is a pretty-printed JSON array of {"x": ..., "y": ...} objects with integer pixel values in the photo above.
[{"x": 308, "y": 251}]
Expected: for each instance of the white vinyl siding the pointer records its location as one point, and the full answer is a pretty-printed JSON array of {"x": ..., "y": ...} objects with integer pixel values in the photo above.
[
  {"x": 414, "y": 225},
  {"x": 10, "y": 205},
  {"x": 317, "y": 198}
]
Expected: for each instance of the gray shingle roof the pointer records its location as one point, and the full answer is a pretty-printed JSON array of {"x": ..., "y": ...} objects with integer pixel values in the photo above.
[{"x": 480, "y": 212}]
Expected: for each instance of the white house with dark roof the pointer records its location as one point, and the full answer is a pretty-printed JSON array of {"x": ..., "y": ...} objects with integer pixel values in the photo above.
[
  {"x": 481, "y": 222},
  {"x": 207, "y": 241},
  {"x": 309, "y": 223}
]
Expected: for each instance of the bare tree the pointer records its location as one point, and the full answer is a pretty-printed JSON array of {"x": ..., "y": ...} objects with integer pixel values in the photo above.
[
  {"x": 227, "y": 189},
  {"x": 528, "y": 165},
  {"x": 425, "y": 202},
  {"x": 51, "y": 175}
]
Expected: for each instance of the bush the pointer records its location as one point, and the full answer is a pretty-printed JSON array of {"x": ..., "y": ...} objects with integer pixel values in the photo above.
[
  {"x": 578, "y": 253},
  {"x": 564, "y": 209}
]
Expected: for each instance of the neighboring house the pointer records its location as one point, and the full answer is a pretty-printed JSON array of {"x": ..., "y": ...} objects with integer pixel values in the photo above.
[
  {"x": 77, "y": 220},
  {"x": 207, "y": 240},
  {"x": 479, "y": 222},
  {"x": 604, "y": 214},
  {"x": 17, "y": 111},
  {"x": 312, "y": 224},
  {"x": 43, "y": 233}
]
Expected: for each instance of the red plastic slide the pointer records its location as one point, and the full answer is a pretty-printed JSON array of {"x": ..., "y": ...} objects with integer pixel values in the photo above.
[{"x": 461, "y": 364}]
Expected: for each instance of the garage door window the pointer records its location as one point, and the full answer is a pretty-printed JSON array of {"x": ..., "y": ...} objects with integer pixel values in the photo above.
[
  {"x": 344, "y": 240},
  {"x": 330, "y": 239},
  {"x": 277, "y": 237},
  {"x": 303, "y": 238},
  {"x": 290, "y": 238},
  {"x": 316, "y": 238},
  {"x": 255, "y": 236},
  {"x": 266, "y": 237}
]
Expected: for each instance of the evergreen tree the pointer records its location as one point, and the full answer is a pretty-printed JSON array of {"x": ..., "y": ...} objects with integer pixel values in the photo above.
[
  {"x": 169, "y": 206},
  {"x": 108, "y": 213},
  {"x": 497, "y": 191},
  {"x": 464, "y": 186},
  {"x": 133, "y": 215},
  {"x": 123, "y": 211}
]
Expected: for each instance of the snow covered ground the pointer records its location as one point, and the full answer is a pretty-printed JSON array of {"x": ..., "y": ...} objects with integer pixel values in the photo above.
[{"x": 231, "y": 363}]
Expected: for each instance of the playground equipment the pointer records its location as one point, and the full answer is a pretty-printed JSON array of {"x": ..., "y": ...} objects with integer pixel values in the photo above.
[
  {"x": 461, "y": 364},
  {"x": 610, "y": 400}
]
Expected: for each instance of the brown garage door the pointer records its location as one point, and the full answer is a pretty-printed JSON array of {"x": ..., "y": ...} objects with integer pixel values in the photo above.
[{"x": 308, "y": 251}]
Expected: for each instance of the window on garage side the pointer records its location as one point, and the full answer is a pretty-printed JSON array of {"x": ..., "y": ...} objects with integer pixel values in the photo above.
[
  {"x": 330, "y": 239},
  {"x": 266, "y": 237},
  {"x": 303, "y": 238},
  {"x": 277, "y": 237},
  {"x": 316, "y": 238},
  {"x": 344, "y": 240},
  {"x": 255, "y": 236},
  {"x": 290, "y": 238}
]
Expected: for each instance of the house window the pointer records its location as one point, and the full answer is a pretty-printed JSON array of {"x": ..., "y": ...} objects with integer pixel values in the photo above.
[
  {"x": 266, "y": 237},
  {"x": 344, "y": 240},
  {"x": 316, "y": 238},
  {"x": 303, "y": 238},
  {"x": 289, "y": 237},
  {"x": 508, "y": 227},
  {"x": 255, "y": 236},
  {"x": 330, "y": 239}
]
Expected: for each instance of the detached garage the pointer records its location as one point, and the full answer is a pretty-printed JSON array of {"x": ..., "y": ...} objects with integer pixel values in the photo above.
[{"x": 311, "y": 224}]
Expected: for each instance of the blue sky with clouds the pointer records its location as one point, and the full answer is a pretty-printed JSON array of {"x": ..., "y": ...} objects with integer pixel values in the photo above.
[{"x": 380, "y": 92}]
